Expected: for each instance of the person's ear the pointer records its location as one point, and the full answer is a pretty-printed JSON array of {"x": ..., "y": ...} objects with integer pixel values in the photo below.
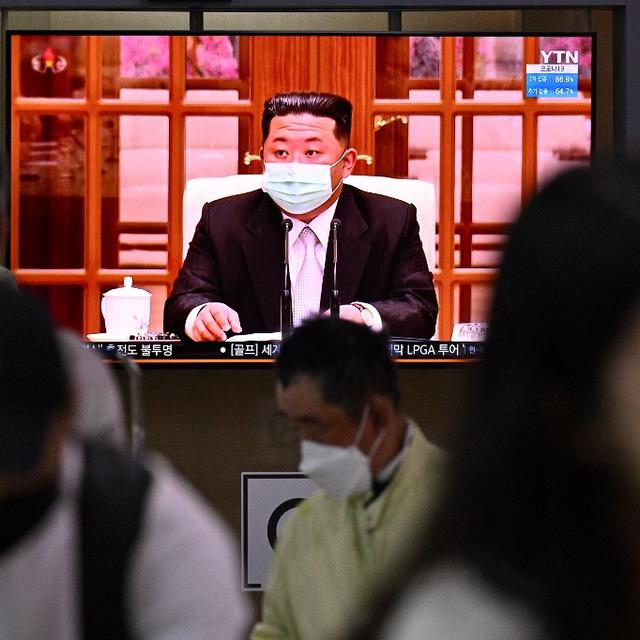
[
  {"x": 381, "y": 411},
  {"x": 349, "y": 162}
]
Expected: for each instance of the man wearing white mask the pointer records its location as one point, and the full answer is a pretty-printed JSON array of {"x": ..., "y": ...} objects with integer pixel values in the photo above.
[
  {"x": 233, "y": 274},
  {"x": 378, "y": 478}
]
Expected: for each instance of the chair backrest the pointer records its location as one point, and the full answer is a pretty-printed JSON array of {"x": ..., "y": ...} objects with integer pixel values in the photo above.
[
  {"x": 419, "y": 193},
  {"x": 199, "y": 191}
]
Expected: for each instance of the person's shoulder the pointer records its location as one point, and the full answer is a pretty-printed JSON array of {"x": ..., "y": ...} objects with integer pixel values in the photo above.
[
  {"x": 418, "y": 483},
  {"x": 184, "y": 542},
  {"x": 377, "y": 201},
  {"x": 424, "y": 447},
  {"x": 313, "y": 514},
  {"x": 312, "y": 507},
  {"x": 380, "y": 212},
  {"x": 234, "y": 208},
  {"x": 174, "y": 506},
  {"x": 452, "y": 600},
  {"x": 237, "y": 199}
]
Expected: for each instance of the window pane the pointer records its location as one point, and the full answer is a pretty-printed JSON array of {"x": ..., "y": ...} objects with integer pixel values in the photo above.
[
  {"x": 472, "y": 303},
  {"x": 52, "y": 191},
  {"x": 489, "y": 58},
  {"x": 212, "y": 57},
  {"x": 52, "y": 66},
  {"x": 425, "y": 57},
  {"x": 495, "y": 95},
  {"x": 135, "y": 160},
  {"x": 424, "y": 96},
  {"x": 487, "y": 184},
  {"x": 144, "y": 56},
  {"x": 424, "y": 157},
  {"x": 212, "y": 145},
  {"x": 213, "y": 96},
  {"x": 135, "y": 62},
  {"x": 564, "y": 142},
  {"x": 497, "y": 166},
  {"x": 489, "y": 69},
  {"x": 487, "y": 249}
]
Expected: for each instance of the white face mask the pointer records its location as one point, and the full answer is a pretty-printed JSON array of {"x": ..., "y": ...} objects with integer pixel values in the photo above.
[
  {"x": 299, "y": 187},
  {"x": 343, "y": 472}
]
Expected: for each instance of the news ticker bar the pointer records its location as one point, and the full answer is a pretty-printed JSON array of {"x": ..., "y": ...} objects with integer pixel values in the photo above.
[{"x": 160, "y": 350}]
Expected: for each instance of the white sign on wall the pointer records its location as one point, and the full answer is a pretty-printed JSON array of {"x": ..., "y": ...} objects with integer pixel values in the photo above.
[{"x": 268, "y": 500}]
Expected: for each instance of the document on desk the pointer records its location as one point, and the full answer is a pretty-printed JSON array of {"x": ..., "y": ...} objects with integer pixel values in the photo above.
[{"x": 256, "y": 337}]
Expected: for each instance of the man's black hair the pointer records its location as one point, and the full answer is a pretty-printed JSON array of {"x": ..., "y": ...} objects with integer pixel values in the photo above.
[
  {"x": 316, "y": 104},
  {"x": 349, "y": 362}
]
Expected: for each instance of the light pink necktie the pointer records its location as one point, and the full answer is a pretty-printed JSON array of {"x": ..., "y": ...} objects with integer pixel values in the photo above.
[{"x": 306, "y": 296}]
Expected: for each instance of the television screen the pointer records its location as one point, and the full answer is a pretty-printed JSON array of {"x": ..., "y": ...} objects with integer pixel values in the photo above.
[{"x": 116, "y": 142}]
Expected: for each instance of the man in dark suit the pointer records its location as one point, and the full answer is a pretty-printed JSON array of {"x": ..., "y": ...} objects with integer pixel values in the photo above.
[{"x": 233, "y": 274}]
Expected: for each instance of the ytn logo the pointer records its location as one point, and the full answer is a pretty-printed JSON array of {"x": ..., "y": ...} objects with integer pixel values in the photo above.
[{"x": 566, "y": 57}]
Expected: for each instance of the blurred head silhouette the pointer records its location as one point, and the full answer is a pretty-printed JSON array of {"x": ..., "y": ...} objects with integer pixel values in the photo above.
[
  {"x": 97, "y": 405},
  {"x": 34, "y": 397},
  {"x": 546, "y": 483},
  {"x": 567, "y": 292}
]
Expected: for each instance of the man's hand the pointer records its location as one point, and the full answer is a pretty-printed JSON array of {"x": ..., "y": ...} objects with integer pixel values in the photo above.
[
  {"x": 213, "y": 320},
  {"x": 348, "y": 312}
]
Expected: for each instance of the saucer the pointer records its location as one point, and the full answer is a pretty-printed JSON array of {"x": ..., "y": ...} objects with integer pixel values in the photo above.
[{"x": 106, "y": 337}]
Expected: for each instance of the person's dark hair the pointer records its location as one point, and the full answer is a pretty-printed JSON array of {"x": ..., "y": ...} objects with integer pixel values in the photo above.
[
  {"x": 530, "y": 502},
  {"x": 349, "y": 362},
  {"x": 315, "y": 104},
  {"x": 33, "y": 383},
  {"x": 535, "y": 501}
]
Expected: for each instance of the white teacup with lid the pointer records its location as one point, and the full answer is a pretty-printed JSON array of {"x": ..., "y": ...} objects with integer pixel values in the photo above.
[{"x": 126, "y": 310}]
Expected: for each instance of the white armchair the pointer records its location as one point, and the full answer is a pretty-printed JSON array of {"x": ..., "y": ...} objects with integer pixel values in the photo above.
[
  {"x": 199, "y": 191},
  {"x": 419, "y": 193}
]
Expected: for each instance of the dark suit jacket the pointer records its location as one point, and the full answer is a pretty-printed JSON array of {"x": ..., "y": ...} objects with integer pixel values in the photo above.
[{"x": 237, "y": 257}]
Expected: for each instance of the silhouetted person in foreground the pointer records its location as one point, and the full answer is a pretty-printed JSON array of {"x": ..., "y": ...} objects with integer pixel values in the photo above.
[
  {"x": 94, "y": 544},
  {"x": 539, "y": 536},
  {"x": 98, "y": 407}
]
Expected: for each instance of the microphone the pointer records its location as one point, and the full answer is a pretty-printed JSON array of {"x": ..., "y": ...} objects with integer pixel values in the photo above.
[
  {"x": 335, "y": 294},
  {"x": 286, "y": 313}
]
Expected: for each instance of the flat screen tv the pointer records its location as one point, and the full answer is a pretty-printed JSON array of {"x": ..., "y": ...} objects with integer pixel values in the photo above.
[{"x": 106, "y": 131}]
